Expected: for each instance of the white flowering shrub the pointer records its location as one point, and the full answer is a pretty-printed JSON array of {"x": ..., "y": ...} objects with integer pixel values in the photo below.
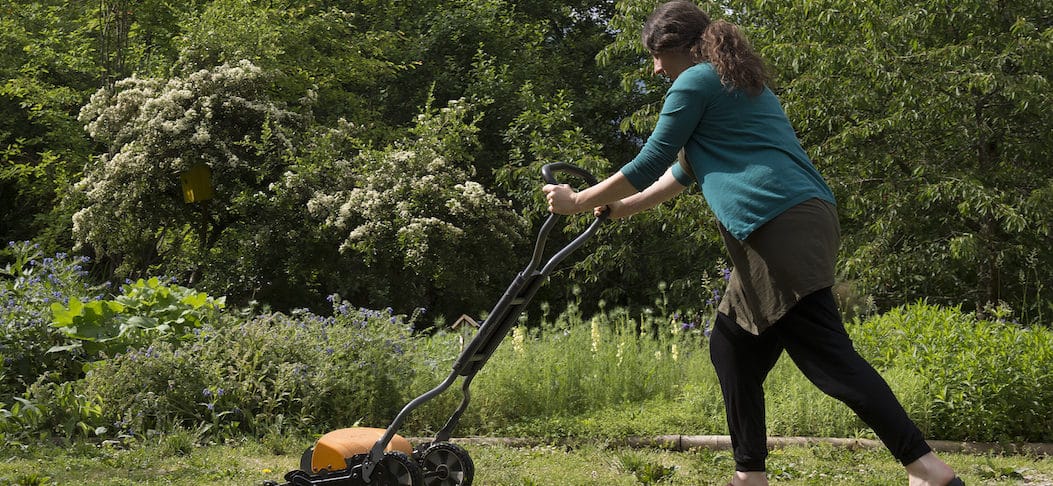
[
  {"x": 130, "y": 198},
  {"x": 426, "y": 233}
]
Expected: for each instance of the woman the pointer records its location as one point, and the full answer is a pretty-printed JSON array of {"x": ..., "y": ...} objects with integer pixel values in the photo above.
[{"x": 779, "y": 223}]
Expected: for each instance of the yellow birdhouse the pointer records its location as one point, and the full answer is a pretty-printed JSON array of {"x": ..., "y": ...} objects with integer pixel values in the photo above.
[{"x": 197, "y": 184}]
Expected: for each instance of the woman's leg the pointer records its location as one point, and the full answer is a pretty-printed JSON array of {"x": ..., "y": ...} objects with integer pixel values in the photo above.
[
  {"x": 815, "y": 338},
  {"x": 742, "y": 362}
]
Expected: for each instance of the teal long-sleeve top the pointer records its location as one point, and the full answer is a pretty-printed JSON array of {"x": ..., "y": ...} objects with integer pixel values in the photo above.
[{"x": 741, "y": 148}]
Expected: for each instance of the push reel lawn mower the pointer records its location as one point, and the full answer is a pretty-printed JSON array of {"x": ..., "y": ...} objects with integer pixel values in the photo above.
[{"x": 371, "y": 456}]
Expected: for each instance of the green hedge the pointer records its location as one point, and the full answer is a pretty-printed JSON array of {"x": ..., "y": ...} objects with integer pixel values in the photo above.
[
  {"x": 989, "y": 379},
  {"x": 271, "y": 373},
  {"x": 613, "y": 374}
]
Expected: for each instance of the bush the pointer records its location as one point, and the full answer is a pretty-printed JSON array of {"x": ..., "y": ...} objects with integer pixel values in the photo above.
[
  {"x": 147, "y": 311},
  {"x": 427, "y": 233},
  {"x": 297, "y": 372},
  {"x": 29, "y": 285},
  {"x": 989, "y": 379}
]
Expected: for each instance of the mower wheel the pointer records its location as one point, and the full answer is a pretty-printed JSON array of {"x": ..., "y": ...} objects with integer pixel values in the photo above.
[
  {"x": 446, "y": 464},
  {"x": 305, "y": 460},
  {"x": 397, "y": 469}
]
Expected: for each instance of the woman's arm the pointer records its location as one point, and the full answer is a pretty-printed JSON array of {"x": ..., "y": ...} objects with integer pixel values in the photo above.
[
  {"x": 661, "y": 191},
  {"x": 562, "y": 199},
  {"x": 615, "y": 192}
]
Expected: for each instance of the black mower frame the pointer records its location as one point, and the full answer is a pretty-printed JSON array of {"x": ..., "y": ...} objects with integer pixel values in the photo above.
[{"x": 504, "y": 315}]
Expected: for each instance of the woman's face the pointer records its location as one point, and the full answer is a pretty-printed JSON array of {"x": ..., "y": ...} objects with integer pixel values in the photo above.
[{"x": 672, "y": 63}]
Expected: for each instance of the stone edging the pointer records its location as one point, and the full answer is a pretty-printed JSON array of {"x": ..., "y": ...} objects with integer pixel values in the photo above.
[{"x": 723, "y": 442}]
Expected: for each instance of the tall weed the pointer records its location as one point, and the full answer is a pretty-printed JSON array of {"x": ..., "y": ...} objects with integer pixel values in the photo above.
[
  {"x": 298, "y": 372},
  {"x": 987, "y": 379},
  {"x": 574, "y": 365},
  {"x": 796, "y": 407},
  {"x": 615, "y": 375}
]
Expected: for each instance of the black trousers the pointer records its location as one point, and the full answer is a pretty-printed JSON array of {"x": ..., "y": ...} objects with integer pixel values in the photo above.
[{"x": 814, "y": 336}]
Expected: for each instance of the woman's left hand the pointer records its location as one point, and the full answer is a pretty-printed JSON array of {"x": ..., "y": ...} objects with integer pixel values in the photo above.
[{"x": 562, "y": 199}]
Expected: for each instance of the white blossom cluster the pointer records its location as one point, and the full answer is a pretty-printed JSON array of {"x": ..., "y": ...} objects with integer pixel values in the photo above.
[
  {"x": 156, "y": 129},
  {"x": 412, "y": 203}
]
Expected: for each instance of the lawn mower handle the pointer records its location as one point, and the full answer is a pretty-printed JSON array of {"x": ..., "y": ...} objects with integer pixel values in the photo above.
[
  {"x": 506, "y": 312},
  {"x": 548, "y": 169},
  {"x": 504, "y": 315}
]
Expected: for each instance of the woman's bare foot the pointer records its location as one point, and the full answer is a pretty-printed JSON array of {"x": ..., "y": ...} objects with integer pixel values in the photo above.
[
  {"x": 753, "y": 478},
  {"x": 929, "y": 470}
]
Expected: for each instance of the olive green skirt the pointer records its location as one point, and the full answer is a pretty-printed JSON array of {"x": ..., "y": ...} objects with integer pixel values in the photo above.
[{"x": 779, "y": 263}]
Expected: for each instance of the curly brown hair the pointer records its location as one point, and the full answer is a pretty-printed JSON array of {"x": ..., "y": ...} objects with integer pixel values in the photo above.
[{"x": 683, "y": 26}]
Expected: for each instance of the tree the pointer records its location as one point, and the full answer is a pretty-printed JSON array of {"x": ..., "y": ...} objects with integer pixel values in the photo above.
[
  {"x": 347, "y": 55},
  {"x": 53, "y": 56},
  {"x": 412, "y": 220},
  {"x": 927, "y": 119},
  {"x": 47, "y": 75},
  {"x": 133, "y": 209}
]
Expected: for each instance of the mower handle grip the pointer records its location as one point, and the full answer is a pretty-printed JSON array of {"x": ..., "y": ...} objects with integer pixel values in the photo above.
[{"x": 548, "y": 172}]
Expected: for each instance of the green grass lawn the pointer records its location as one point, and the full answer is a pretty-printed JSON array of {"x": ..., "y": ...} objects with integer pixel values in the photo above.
[{"x": 175, "y": 461}]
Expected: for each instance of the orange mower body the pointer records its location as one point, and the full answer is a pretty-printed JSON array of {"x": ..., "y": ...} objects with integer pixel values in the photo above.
[{"x": 333, "y": 449}]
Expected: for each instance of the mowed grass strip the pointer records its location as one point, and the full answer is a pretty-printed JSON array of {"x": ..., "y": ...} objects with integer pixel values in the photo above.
[{"x": 497, "y": 465}]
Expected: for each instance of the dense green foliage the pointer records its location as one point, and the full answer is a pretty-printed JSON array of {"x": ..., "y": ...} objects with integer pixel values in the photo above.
[
  {"x": 165, "y": 357},
  {"x": 928, "y": 119},
  {"x": 147, "y": 311},
  {"x": 980, "y": 372}
]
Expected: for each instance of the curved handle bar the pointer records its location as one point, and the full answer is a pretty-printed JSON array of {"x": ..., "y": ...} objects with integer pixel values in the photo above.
[
  {"x": 504, "y": 315},
  {"x": 548, "y": 172}
]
